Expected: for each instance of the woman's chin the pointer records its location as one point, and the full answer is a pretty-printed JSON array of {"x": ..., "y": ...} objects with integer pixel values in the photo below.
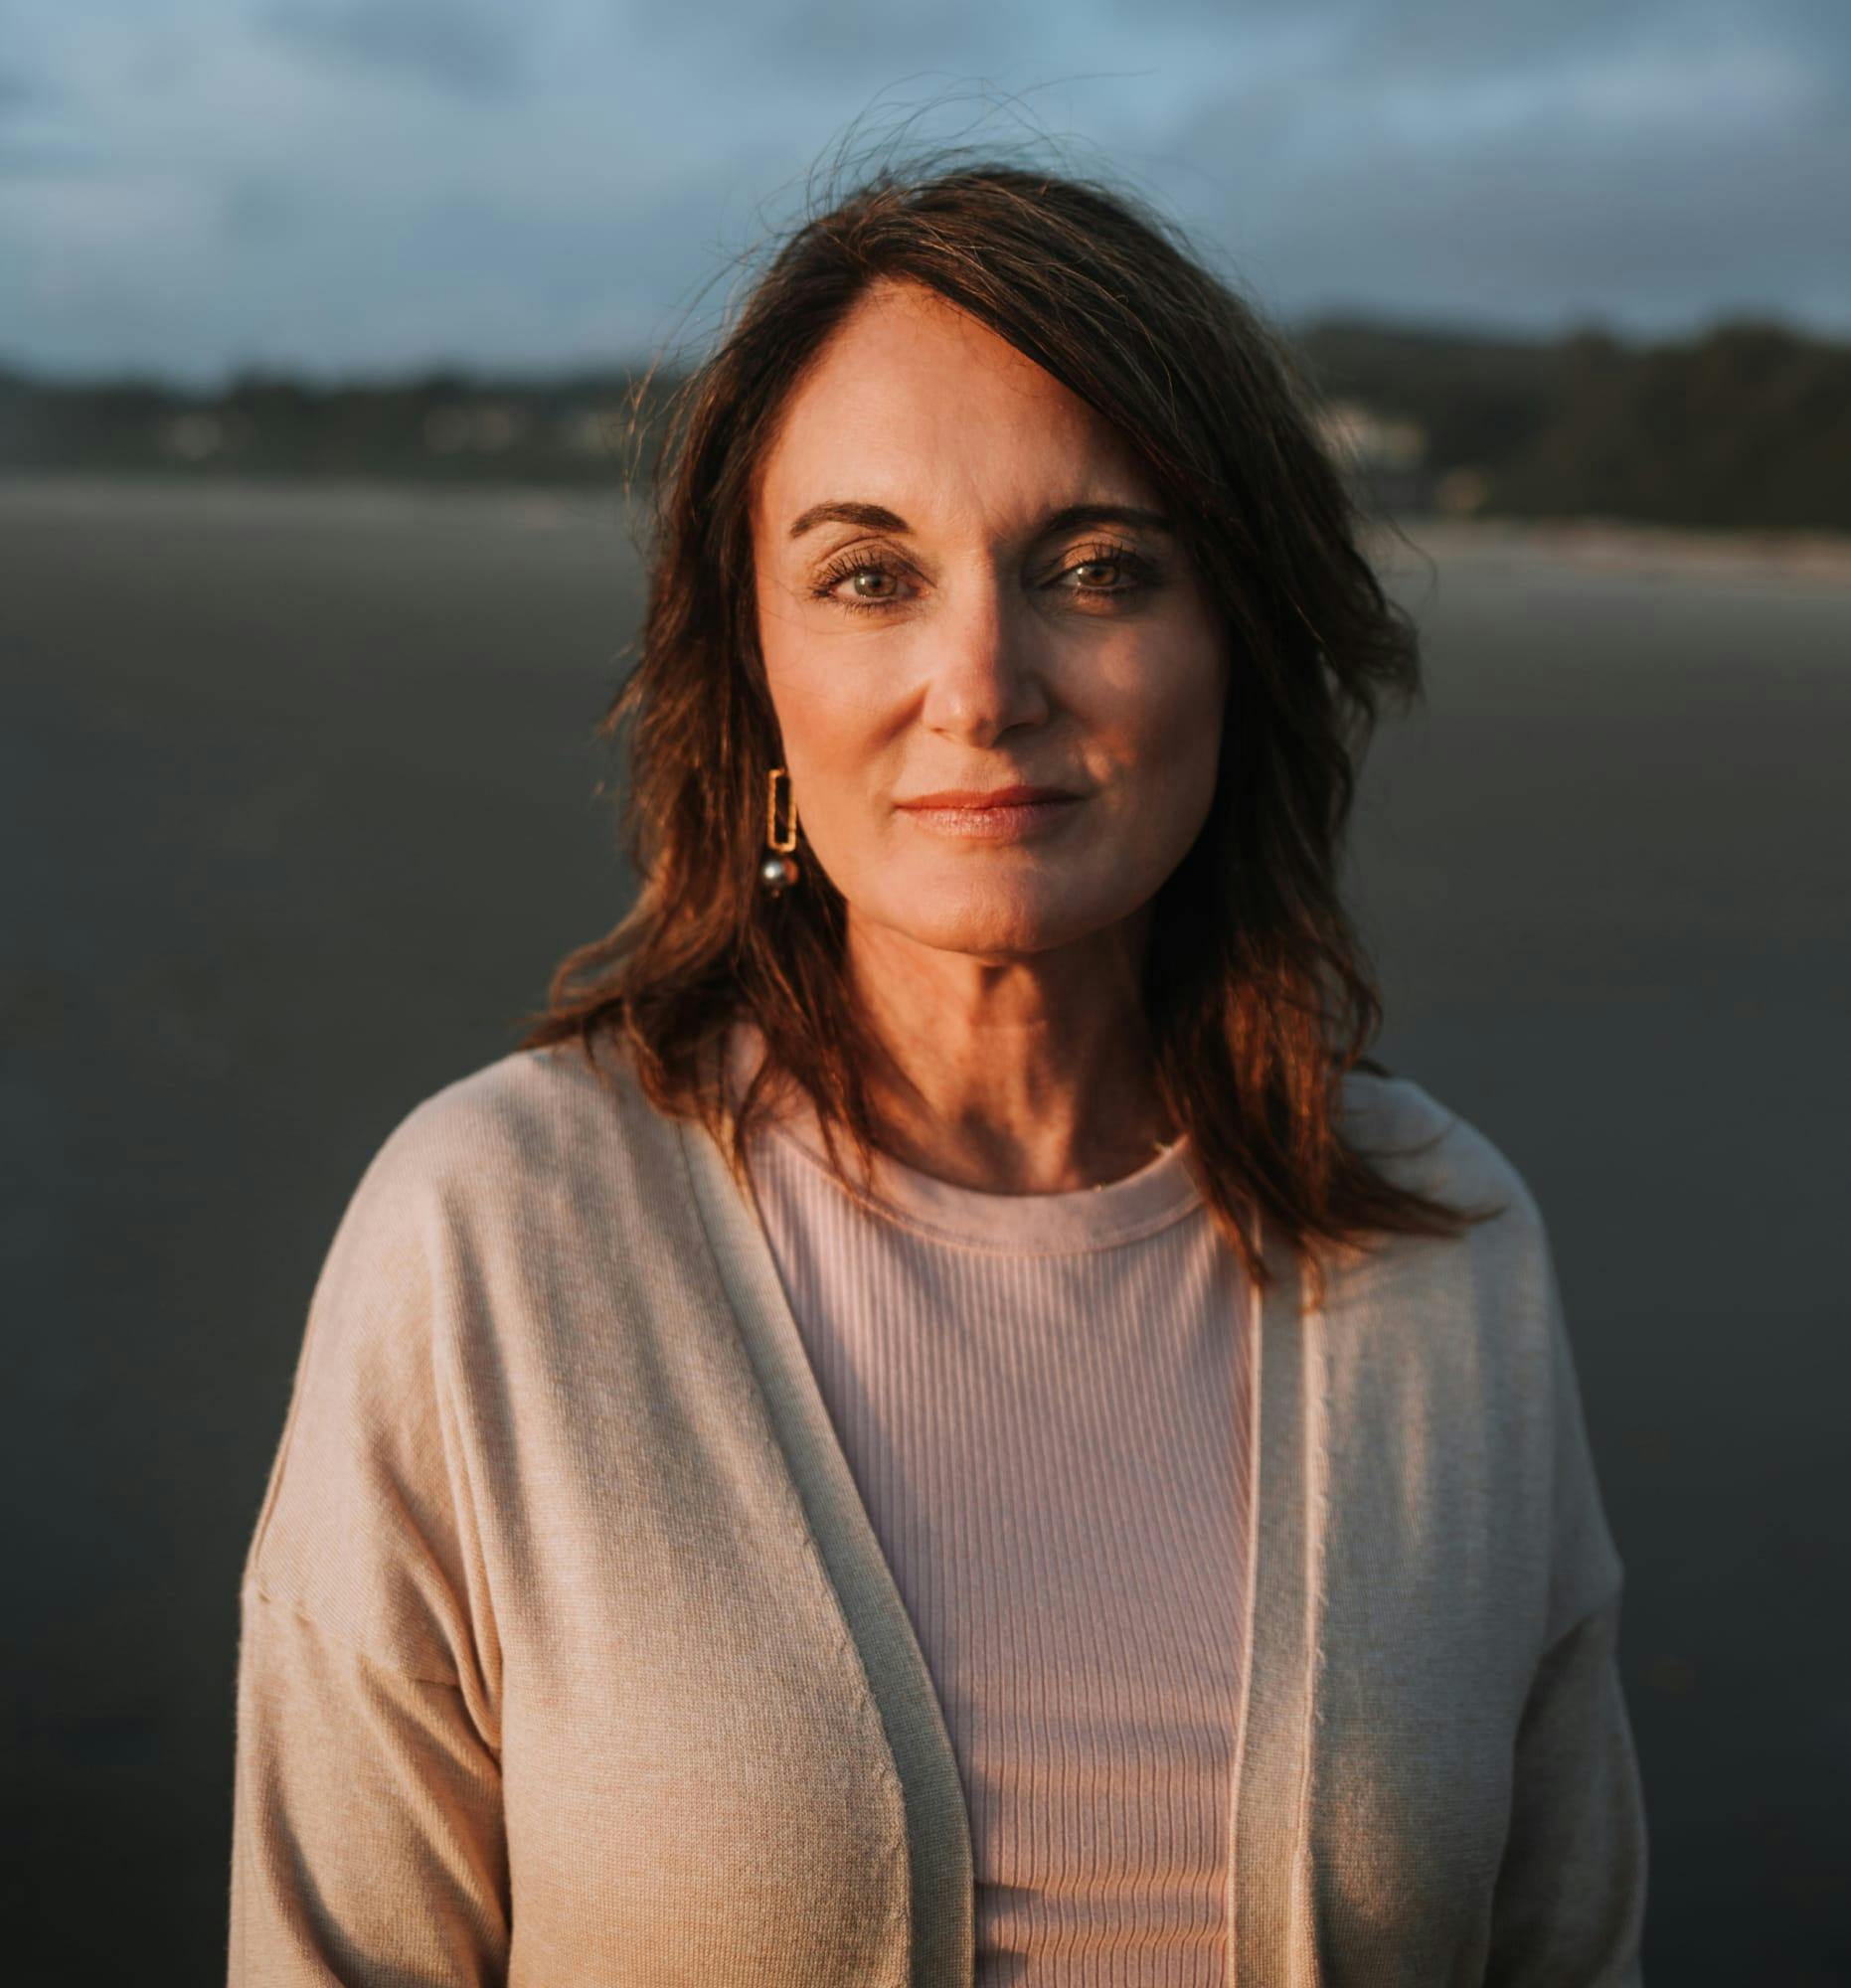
[{"x": 996, "y": 926}]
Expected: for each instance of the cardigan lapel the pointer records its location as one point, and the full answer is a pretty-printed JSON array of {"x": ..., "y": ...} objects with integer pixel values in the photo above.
[
  {"x": 943, "y": 1904},
  {"x": 1273, "y": 1938},
  {"x": 1274, "y": 1924}
]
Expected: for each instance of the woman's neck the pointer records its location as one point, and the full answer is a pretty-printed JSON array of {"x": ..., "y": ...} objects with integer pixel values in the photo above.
[{"x": 1021, "y": 1076}]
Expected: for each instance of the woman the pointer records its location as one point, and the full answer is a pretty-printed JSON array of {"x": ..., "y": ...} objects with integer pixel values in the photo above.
[{"x": 969, "y": 1436}]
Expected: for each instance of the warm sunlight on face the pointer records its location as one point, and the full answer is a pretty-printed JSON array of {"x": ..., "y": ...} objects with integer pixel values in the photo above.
[{"x": 964, "y": 586}]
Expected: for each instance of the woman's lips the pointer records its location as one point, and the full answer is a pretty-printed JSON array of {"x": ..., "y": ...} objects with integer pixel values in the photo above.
[{"x": 1008, "y": 822}]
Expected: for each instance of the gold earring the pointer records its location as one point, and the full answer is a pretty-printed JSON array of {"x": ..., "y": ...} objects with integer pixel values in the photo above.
[{"x": 779, "y": 869}]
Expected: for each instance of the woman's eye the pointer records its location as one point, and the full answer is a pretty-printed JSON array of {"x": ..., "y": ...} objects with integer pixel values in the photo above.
[
  {"x": 858, "y": 585},
  {"x": 873, "y": 585},
  {"x": 1109, "y": 573}
]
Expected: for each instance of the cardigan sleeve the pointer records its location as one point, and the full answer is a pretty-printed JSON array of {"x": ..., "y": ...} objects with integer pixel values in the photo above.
[
  {"x": 368, "y": 1841},
  {"x": 1570, "y": 1898},
  {"x": 1571, "y": 1891}
]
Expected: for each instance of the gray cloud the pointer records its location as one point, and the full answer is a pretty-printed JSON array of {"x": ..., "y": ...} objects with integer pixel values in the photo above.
[
  {"x": 15, "y": 91},
  {"x": 259, "y": 210},
  {"x": 1586, "y": 163},
  {"x": 346, "y": 185},
  {"x": 463, "y": 45}
]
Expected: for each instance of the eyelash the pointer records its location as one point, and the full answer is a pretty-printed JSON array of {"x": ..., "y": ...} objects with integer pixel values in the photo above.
[{"x": 1144, "y": 572}]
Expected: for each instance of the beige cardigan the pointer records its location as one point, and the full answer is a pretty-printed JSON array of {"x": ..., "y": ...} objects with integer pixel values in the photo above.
[{"x": 569, "y": 1655}]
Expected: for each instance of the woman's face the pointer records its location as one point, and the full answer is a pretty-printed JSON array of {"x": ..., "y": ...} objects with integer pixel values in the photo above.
[{"x": 963, "y": 586}]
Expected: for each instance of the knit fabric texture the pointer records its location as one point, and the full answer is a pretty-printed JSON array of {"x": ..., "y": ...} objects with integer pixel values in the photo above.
[
  {"x": 1044, "y": 1399},
  {"x": 574, "y": 1643}
]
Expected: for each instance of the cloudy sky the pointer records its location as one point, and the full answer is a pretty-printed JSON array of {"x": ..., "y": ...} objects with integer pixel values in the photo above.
[{"x": 359, "y": 186}]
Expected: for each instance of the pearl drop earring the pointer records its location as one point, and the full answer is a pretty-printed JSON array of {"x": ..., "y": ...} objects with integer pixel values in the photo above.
[{"x": 779, "y": 869}]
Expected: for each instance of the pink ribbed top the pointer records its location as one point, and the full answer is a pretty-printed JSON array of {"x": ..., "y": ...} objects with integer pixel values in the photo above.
[{"x": 1045, "y": 1402}]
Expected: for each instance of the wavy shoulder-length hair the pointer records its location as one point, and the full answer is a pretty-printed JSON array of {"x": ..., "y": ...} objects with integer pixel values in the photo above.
[{"x": 1256, "y": 993}]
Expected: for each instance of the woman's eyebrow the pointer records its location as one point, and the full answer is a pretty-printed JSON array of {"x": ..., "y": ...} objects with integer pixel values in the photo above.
[
  {"x": 874, "y": 515},
  {"x": 1078, "y": 514},
  {"x": 876, "y": 518}
]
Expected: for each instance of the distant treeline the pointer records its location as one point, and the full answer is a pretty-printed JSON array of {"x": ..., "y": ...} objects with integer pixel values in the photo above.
[
  {"x": 1746, "y": 426},
  {"x": 446, "y": 425}
]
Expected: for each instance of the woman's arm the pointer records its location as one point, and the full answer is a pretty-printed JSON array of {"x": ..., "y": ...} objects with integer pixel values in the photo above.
[
  {"x": 367, "y": 1838},
  {"x": 1571, "y": 1893},
  {"x": 368, "y": 1842}
]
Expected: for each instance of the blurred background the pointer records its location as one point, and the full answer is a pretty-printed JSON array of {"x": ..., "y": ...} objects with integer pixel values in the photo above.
[{"x": 321, "y": 323}]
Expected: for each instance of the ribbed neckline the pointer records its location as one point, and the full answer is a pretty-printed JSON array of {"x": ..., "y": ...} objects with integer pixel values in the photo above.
[{"x": 1139, "y": 1204}]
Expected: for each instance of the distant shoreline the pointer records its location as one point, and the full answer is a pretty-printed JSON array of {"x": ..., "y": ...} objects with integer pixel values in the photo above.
[
  {"x": 1622, "y": 545},
  {"x": 1618, "y": 545}
]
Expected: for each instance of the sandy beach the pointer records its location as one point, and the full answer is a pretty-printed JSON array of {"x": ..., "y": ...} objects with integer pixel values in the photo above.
[{"x": 303, "y": 805}]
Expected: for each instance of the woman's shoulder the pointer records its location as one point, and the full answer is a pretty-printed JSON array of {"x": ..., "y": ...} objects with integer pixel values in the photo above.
[
  {"x": 1468, "y": 1334},
  {"x": 1422, "y": 1143},
  {"x": 531, "y": 1106},
  {"x": 1495, "y": 1278},
  {"x": 506, "y": 1137},
  {"x": 540, "y": 1156},
  {"x": 492, "y": 1214}
]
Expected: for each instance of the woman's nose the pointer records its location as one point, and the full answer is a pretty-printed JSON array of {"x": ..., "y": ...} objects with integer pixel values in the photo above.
[{"x": 983, "y": 676}]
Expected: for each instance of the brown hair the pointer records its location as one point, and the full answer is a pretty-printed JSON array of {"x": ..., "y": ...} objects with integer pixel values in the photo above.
[{"x": 1258, "y": 993}]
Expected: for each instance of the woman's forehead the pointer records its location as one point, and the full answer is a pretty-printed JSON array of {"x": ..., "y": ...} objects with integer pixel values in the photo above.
[{"x": 916, "y": 407}]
